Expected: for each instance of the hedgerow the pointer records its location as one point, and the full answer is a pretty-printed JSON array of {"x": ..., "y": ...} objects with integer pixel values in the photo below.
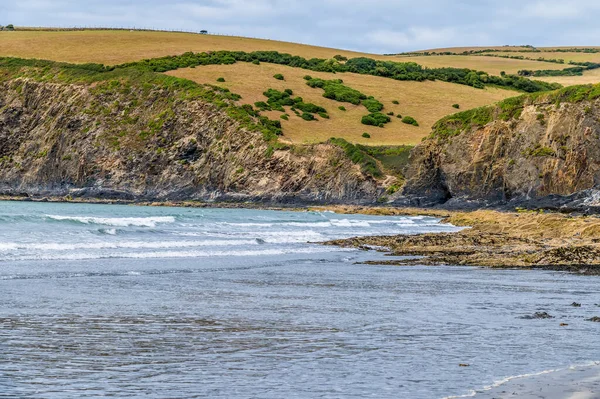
[{"x": 388, "y": 69}]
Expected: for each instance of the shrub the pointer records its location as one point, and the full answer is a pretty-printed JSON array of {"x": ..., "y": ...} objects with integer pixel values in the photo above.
[
  {"x": 278, "y": 76},
  {"x": 9, "y": 27},
  {"x": 263, "y": 106},
  {"x": 256, "y": 62},
  {"x": 289, "y": 91},
  {"x": 396, "y": 102},
  {"x": 409, "y": 120},
  {"x": 342, "y": 108},
  {"x": 221, "y": 80},
  {"x": 324, "y": 115},
  {"x": 308, "y": 117},
  {"x": 307, "y": 77},
  {"x": 285, "y": 117},
  {"x": 391, "y": 113},
  {"x": 335, "y": 90},
  {"x": 457, "y": 106},
  {"x": 399, "y": 116},
  {"x": 375, "y": 119},
  {"x": 340, "y": 57},
  {"x": 372, "y": 105},
  {"x": 366, "y": 135}
]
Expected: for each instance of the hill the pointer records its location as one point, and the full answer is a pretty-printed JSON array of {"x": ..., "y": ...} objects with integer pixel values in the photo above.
[{"x": 425, "y": 101}]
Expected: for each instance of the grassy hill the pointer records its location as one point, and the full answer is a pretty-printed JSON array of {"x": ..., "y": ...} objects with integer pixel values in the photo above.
[{"x": 426, "y": 101}]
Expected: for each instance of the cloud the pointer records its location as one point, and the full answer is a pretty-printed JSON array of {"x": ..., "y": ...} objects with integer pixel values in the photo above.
[{"x": 374, "y": 26}]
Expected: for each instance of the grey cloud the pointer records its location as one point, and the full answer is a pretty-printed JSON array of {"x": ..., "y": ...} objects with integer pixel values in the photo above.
[{"x": 381, "y": 26}]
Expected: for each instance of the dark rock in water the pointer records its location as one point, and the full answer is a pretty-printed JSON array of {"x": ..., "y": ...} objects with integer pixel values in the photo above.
[
  {"x": 538, "y": 315},
  {"x": 464, "y": 365},
  {"x": 563, "y": 324},
  {"x": 576, "y": 305},
  {"x": 595, "y": 319}
]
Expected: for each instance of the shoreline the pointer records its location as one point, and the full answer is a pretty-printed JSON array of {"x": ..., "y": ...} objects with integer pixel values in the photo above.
[
  {"x": 530, "y": 240},
  {"x": 573, "y": 382}
]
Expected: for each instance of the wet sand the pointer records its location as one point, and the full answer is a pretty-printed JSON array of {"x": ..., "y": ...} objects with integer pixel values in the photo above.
[{"x": 572, "y": 383}]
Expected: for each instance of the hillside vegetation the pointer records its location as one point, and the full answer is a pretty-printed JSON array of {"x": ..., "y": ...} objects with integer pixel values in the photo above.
[{"x": 425, "y": 101}]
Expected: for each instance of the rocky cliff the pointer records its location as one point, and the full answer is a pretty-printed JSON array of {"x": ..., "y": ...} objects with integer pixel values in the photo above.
[
  {"x": 122, "y": 139},
  {"x": 542, "y": 150}
]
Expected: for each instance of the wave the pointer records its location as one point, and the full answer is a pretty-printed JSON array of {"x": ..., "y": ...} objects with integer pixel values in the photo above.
[
  {"x": 499, "y": 383},
  {"x": 182, "y": 254},
  {"x": 122, "y": 245},
  {"x": 118, "y": 222}
]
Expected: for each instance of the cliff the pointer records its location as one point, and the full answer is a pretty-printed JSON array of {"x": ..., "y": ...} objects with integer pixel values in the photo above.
[
  {"x": 78, "y": 133},
  {"x": 533, "y": 150}
]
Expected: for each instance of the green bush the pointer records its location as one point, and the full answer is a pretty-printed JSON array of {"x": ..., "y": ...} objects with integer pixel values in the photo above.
[
  {"x": 409, "y": 120},
  {"x": 391, "y": 113},
  {"x": 324, "y": 115},
  {"x": 396, "y": 102},
  {"x": 335, "y": 90},
  {"x": 399, "y": 116},
  {"x": 263, "y": 106},
  {"x": 308, "y": 117},
  {"x": 457, "y": 106},
  {"x": 372, "y": 105},
  {"x": 375, "y": 119},
  {"x": 256, "y": 62},
  {"x": 366, "y": 135},
  {"x": 307, "y": 77},
  {"x": 278, "y": 76},
  {"x": 221, "y": 80},
  {"x": 285, "y": 117},
  {"x": 342, "y": 108}
]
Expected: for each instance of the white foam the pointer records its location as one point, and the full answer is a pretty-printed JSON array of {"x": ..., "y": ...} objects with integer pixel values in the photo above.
[
  {"x": 184, "y": 254},
  {"x": 122, "y": 245},
  {"x": 119, "y": 222}
]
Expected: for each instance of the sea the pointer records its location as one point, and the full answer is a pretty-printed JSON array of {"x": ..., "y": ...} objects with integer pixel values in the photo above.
[{"x": 122, "y": 301}]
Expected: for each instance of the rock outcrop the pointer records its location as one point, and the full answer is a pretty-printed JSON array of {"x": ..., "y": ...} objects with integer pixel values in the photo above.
[
  {"x": 542, "y": 150},
  {"x": 118, "y": 140}
]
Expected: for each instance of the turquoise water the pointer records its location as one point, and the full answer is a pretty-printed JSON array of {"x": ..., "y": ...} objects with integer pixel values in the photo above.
[{"x": 122, "y": 301}]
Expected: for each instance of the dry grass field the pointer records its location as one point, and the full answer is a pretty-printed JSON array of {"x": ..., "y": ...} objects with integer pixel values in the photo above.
[
  {"x": 491, "y": 65},
  {"x": 425, "y": 101},
  {"x": 116, "y": 47}
]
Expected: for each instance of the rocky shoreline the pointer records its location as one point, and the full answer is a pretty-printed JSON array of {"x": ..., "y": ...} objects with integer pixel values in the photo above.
[{"x": 526, "y": 240}]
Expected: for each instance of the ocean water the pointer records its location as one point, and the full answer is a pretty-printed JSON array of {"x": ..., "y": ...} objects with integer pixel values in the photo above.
[{"x": 121, "y": 301}]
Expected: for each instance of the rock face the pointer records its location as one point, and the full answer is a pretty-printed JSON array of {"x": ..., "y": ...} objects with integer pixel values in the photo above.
[
  {"x": 117, "y": 141},
  {"x": 541, "y": 151}
]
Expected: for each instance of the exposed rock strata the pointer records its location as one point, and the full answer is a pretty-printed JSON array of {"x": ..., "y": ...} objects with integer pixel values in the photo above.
[
  {"x": 140, "y": 144},
  {"x": 547, "y": 155}
]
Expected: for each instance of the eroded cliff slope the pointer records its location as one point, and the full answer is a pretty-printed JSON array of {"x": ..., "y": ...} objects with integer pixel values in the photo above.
[
  {"x": 72, "y": 132},
  {"x": 540, "y": 149}
]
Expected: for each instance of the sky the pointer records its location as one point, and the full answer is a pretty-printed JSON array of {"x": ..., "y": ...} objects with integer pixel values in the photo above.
[{"x": 374, "y": 26}]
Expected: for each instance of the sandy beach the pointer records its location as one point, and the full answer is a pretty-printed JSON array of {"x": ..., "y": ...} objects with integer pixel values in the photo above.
[{"x": 579, "y": 382}]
